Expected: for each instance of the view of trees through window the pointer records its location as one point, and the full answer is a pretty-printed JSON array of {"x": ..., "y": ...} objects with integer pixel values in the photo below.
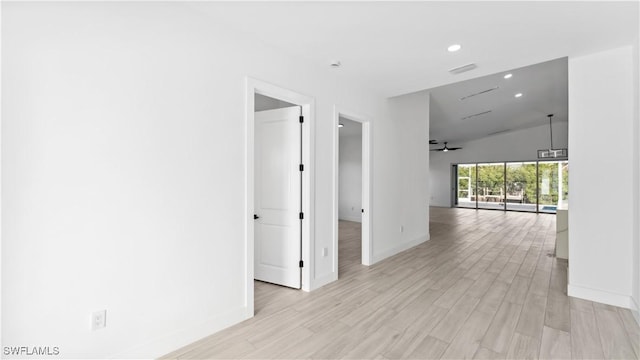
[{"x": 522, "y": 186}]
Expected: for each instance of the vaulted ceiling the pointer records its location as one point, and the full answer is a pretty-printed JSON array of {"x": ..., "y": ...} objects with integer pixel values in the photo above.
[{"x": 488, "y": 105}]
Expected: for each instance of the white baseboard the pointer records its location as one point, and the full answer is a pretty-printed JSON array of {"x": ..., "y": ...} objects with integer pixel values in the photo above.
[
  {"x": 357, "y": 218},
  {"x": 323, "y": 280},
  {"x": 399, "y": 248},
  {"x": 600, "y": 296},
  {"x": 178, "y": 339}
]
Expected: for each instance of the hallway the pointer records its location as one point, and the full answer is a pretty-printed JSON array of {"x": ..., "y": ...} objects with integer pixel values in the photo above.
[{"x": 485, "y": 286}]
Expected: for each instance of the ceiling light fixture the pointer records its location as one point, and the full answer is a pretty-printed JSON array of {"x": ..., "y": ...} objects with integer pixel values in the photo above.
[
  {"x": 454, "y": 48},
  {"x": 518, "y": 95},
  {"x": 508, "y": 76},
  {"x": 340, "y": 125},
  {"x": 551, "y": 152}
]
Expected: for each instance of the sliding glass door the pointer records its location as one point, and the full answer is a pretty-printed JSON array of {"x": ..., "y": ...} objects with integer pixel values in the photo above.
[
  {"x": 521, "y": 186},
  {"x": 491, "y": 186},
  {"x": 466, "y": 186},
  {"x": 534, "y": 186},
  {"x": 553, "y": 177}
]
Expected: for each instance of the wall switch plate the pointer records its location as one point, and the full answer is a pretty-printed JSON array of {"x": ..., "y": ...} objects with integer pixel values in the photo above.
[
  {"x": 99, "y": 320},
  {"x": 325, "y": 252}
]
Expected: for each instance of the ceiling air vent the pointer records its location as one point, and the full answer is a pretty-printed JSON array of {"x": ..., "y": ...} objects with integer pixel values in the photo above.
[
  {"x": 463, "y": 68},
  {"x": 479, "y": 93},
  {"x": 498, "y": 132},
  {"x": 474, "y": 115}
]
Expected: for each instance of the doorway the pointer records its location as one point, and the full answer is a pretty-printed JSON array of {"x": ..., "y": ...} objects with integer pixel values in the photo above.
[
  {"x": 352, "y": 191},
  {"x": 278, "y": 188}
]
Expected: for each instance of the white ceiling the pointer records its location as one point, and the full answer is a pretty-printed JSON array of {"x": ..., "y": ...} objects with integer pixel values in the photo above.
[
  {"x": 400, "y": 47},
  {"x": 350, "y": 128},
  {"x": 544, "y": 89},
  {"x": 396, "y": 48}
]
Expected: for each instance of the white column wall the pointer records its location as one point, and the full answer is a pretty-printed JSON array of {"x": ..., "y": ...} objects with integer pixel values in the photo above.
[{"x": 602, "y": 97}]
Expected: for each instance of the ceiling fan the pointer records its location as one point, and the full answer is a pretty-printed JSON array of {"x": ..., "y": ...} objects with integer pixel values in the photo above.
[{"x": 446, "y": 148}]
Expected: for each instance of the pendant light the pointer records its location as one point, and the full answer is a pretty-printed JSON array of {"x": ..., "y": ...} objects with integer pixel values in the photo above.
[{"x": 551, "y": 152}]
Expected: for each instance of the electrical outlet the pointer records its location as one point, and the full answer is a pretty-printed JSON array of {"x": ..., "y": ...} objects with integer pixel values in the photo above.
[
  {"x": 401, "y": 228},
  {"x": 325, "y": 252},
  {"x": 99, "y": 320}
]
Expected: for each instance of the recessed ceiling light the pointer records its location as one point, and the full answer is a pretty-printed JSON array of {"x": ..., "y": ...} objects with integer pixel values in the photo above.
[
  {"x": 508, "y": 76},
  {"x": 454, "y": 48},
  {"x": 340, "y": 125},
  {"x": 518, "y": 95}
]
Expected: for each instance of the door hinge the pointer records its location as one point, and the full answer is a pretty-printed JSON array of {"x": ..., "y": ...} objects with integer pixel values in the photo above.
[
  {"x": 301, "y": 263},
  {"x": 362, "y": 210},
  {"x": 301, "y": 167},
  {"x": 301, "y": 216},
  {"x": 301, "y": 119}
]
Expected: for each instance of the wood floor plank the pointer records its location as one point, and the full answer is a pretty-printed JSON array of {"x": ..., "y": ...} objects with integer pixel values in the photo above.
[
  {"x": 557, "y": 314},
  {"x": 484, "y": 353},
  {"x": 491, "y": 301},
  {"x": 414, "y": 332},
  {"x": 556, "y": 344},
  {"x": 531, "y": 320},
  {"x": 585, "y": 338},
  {"x": 429, "y": 348},
  {"x": 373, "y": 345},
  {"x": 453, "y": 294},
  {"x": 581, "y": 305},
  {"x": 518, "y": 290},
  {"x": 467, "y": 340},
  {"x": 455, "y": 319},
  {"x": 481, "y": 285},
  {"x": 498, "y": 336},
  {"x": 632, "y": 329},
  {"x": 523, "y": 347},
  {"x": 614, "y": 338}
]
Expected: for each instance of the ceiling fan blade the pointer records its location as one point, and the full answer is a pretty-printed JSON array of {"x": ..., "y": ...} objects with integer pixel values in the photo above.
[
  {"x": 436, "y": 149},
  {"x": 433, "y": 142},
  {"x": 455, "y": 148}
]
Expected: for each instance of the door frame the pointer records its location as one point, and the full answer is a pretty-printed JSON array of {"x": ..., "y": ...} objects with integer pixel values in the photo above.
[
  {"x": 367, "y": 188},
  {"x": 307, "y": 103}
]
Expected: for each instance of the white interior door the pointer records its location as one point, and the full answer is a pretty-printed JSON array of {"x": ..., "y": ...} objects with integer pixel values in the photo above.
[{"x": 278, "y": 196}]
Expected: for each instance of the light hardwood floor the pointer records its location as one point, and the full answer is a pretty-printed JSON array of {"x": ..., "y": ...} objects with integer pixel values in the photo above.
[{"x": 485, "y": 286}]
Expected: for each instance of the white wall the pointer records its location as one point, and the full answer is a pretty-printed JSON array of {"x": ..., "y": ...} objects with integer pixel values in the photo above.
[
  {"x": 122, "y": 166},
  {"x": 401, "y": 163},
  {"x": 601, "y": 213},
  {"x": 520, "y": 145},
  {"x": 350, "y": 182}
]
